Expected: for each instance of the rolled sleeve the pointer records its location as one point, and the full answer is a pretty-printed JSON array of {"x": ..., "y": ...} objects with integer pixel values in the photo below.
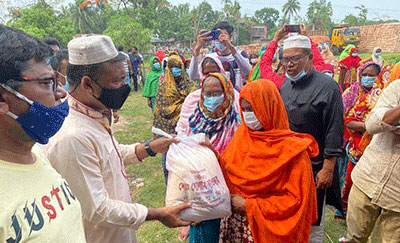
[{"x": 375, "y": 124}]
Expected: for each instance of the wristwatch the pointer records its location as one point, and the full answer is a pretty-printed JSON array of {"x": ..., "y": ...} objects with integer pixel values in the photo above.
[{"x": 148, "y": 149}]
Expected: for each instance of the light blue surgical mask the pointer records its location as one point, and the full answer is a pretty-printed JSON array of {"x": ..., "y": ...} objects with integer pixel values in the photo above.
[
  {"x": 354, "y": 54},
  {"x": 157, "y": 65},
  {"x": 212, "y": 103},
  {"x": 368, "y": 82},
  {"x": 378, "y": 54},
  {"x": 176, "y": 72},
  {"x": 220, "y": 46},
  {"x": 297, "y": 77}
]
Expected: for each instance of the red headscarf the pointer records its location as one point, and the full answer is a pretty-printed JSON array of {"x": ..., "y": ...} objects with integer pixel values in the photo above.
[
  {"x": 351, "y": 61},
  {"x": 272, "y": 170}
]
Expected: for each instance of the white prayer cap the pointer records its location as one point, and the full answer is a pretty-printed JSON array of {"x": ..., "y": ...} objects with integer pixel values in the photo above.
[
  {"x": 92, "y": 49},
  {"x": 298, "y": 41}
]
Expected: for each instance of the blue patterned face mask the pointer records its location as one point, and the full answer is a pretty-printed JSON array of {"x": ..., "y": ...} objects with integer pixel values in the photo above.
[
  {"x": 40, "y": 122},
  {"x": 176, "y": 72},
  {"x": 354, "y": 54}
]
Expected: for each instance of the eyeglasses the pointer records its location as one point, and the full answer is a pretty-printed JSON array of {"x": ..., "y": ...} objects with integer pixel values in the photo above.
[
  {"x": 293, "y": 60},
  {"x": 50, "y": 82}
]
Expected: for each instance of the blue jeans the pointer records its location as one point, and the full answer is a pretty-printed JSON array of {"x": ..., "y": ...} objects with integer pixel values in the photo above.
[{"x": 205, "y": 232}]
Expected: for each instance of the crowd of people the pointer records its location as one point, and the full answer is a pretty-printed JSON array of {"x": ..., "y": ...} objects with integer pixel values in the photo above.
[{"x": 289, "y": 138}]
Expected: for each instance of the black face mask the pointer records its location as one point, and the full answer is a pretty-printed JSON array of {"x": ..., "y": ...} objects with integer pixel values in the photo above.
[{"x": 113, "y": 98}]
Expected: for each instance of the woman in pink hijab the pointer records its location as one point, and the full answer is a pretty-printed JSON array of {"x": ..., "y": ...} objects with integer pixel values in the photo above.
[{"x": 209, "y": 64}]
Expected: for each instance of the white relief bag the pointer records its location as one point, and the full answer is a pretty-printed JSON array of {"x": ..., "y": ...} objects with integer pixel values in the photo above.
[{"x": 194, "y": 175}]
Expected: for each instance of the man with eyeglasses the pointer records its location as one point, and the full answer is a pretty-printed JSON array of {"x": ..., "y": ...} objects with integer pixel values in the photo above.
[
  {"x": 37, "y": 204},
  {"x": 86, "y": 153},
  {"x": 268, "y": 58},
  {"x": 314, "y": 106}
]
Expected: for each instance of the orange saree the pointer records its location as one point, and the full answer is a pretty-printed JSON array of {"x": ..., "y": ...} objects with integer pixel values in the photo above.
[{"x": 272, "y": 170}]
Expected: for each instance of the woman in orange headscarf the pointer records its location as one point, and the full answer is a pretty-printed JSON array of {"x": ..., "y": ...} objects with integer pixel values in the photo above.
[{"x": 267, "y": 168}]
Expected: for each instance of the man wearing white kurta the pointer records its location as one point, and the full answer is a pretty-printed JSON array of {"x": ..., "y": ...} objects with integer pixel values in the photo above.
[{"x": 86, "y": 153}]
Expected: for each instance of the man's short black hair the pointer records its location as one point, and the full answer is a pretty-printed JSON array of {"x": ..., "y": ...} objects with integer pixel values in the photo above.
[
  {"x": 120, "y": 48},
  {"x": 135, "y": 48},
  {"x": 16, "y": 49},
  {"x": 56, "y": 60},
  {"x": 51, "y": 41},
  {"x": 224, "y": 25}
]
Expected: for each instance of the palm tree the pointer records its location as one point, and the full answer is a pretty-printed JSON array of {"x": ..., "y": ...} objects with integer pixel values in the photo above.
[
  {"x": 88, "y": 19},
  {"x": 290, "y": 9}
]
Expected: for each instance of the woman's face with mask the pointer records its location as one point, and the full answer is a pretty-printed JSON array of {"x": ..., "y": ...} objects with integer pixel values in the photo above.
[
  {"x": 368, "y": 76},
  {"x": 213, "y": 93}
]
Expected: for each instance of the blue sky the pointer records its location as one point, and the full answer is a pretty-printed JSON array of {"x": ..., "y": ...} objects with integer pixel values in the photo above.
[{"x": 377, "y": 8}]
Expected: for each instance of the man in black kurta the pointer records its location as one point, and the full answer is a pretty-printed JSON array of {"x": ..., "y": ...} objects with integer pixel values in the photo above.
[{"x": 314, "y": 106}]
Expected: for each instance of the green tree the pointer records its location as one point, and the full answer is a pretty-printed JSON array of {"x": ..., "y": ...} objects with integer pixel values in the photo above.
[
  {"x": 361, "y": 19},
  {"x": 351, "y": 20},
  {"x": 126, "y": 31},
  {"x": 290, "y": 9},
  {"x": 267, "y": 16},
  {"x": 90, "y": 18},
  {"x": 362, "y": 15},
  {"x": 232, "y": 11},
  {"x": 183, "y": 27},
  {"x": 41, "y": 20},
  {"x": 149, "y": 16},
  {"x": 232, "y": 14},
  {"x": 204, "y": 17},
  {"x": 244, "y": 31},
  {"x": 319, "y": 15}
]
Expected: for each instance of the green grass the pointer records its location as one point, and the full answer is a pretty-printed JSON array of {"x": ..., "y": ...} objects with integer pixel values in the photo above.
[{"x": 135, "y": 125}]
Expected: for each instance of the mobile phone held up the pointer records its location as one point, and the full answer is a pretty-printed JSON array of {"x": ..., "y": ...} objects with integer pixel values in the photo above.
[
  {"x": 213, "y": 33},
  {"x": 293, "y": 28}
]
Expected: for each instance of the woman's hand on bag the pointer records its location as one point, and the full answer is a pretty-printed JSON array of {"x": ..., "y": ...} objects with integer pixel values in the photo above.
[
  {"x": 161, "y": 145},
  {"x": 171, "y": 216},
  {"x": 238, "y": 203}
]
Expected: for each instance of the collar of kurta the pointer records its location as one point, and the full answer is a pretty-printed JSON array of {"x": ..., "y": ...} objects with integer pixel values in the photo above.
[{"x": 103, "y": 117}]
